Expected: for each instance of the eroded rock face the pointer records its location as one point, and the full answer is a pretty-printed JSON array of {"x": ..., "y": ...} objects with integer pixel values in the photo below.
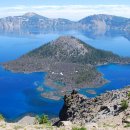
[
  {"x": 80, "y": 109},
  {"x": 76, "y": 108}
]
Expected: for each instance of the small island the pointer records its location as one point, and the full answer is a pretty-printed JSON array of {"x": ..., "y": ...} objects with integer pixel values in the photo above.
[{"x": 69, "y": 63}]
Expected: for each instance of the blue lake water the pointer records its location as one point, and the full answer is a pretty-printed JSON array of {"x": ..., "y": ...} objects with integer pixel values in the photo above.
[{"x": 18, "y": 94}]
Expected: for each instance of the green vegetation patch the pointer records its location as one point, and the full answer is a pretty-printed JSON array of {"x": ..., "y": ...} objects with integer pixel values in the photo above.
[
  {"x": 127, "y": 125},
  {"x": 128, "y": 95},
  {"x": 1, "y": 117},
  {"x": 124, "y": 104},
  {"x": 76, "y": 128},
  {"x": 42, "y": 119}
]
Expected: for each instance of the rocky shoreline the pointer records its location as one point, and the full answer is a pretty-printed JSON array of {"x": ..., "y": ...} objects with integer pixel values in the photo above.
[
  {"x": 60, "y": 89},
  {"x": 58, "y": 77}
]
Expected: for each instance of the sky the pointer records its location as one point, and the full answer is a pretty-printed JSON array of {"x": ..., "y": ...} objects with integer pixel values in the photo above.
[{"x": 69, "y": 9}]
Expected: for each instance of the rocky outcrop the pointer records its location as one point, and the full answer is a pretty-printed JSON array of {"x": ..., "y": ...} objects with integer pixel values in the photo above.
[{"x": 80, "y": 109}]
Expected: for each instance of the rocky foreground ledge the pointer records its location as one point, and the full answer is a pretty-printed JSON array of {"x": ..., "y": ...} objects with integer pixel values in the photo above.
[
  {"x": 113, "y": 108},
  {"x": 109, "y": 111},
  {"x": 78, "y": 108}
]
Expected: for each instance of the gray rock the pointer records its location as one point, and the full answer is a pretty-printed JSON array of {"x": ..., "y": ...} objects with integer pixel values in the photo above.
[{"x": 78, "y": 107}]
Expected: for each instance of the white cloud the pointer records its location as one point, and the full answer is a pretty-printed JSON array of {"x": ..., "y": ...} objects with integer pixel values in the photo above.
[{"x": 73, "y": 12}]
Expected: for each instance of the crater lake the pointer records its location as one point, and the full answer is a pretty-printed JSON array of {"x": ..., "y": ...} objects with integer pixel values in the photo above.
[{"x": 18, "y": 91}]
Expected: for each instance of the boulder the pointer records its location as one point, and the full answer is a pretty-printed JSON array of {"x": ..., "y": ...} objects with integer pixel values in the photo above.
[
  {"x": 103, "y": 108},
  {"x": 126, "y": 119},
  {"x": 65, "y": 124}
]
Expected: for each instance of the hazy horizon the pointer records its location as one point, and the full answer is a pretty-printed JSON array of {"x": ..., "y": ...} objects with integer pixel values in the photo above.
[{"x": 72, "y": 9}]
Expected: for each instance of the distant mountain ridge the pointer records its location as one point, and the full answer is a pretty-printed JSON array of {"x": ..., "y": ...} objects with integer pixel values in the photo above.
[
  {"x": 108, "y": 22},
  {"x": 31, "y": 21}
]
